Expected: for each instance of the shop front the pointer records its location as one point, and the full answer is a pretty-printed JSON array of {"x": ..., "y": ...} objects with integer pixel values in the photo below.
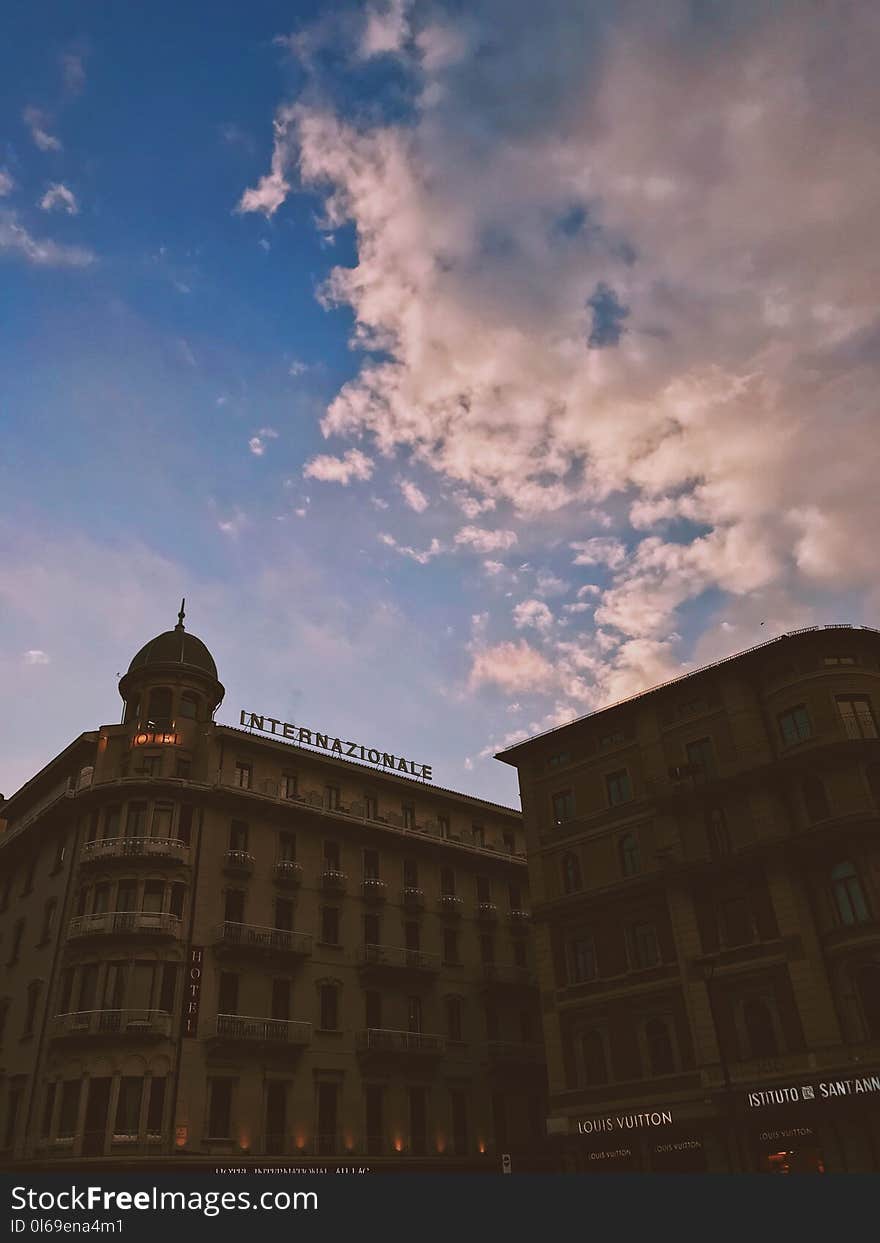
[{"x": 671, "y": 1140}]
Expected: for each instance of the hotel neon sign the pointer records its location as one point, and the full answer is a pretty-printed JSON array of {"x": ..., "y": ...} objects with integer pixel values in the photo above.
[{"x": 336, "y": 746}]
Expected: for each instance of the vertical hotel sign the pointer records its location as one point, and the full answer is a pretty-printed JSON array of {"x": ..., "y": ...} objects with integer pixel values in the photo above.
[{"x": 193, "y": 991}]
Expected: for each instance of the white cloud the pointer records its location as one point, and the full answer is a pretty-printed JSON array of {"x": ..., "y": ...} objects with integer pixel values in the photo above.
[
  {"x": 257, "y": 444},
  {"x": 422, "y": 556},
  {"x": 471, "y": 506},
  {"x": 485, "y": 541},
  {"x": 386, "y": 29},
  {"x": 36, "y": 122},
  {"x": 493, "y": 568},
  {"x": 512, "y": 667},
  {"x": 547, "y": 584},
  {"x": 7, "y": 184},
  {"x": 73, "y": 71},
  {"x": 414, "y": 496},
  {"x": 59, "y": 197},
  {"x": 15, "y": 240},
  {"x": 599, "y": 551},
  {"x": 297, "y": 368},
  {"x": 272, "y": 189},
  {"x": 328, "y": 469},
  {"x": 36, "y": 657},
  {"x": 234, "y": 524},
  {"x": 532, "y": 614}
]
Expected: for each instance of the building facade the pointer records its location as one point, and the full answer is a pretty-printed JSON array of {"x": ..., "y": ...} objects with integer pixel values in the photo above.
[
  {"x": 218, "y": 943},
  {"x": 704, "y": 864}
]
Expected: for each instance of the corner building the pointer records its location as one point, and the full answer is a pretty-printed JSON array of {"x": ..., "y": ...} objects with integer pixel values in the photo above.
[
  {"x": 217, "y": 945},
  {"x": 704, "y": 862}
]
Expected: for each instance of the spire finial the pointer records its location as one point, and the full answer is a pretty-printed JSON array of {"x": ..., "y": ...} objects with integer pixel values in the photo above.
[{"x": 181, "y": 615}]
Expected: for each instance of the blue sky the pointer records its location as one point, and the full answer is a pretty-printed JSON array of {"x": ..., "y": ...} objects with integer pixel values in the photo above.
[{"x": 465, "y": 376}]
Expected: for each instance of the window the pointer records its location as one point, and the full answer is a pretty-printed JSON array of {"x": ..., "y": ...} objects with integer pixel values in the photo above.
[
  {"x": 514, "y": 894},
  {"x": 281, "y": 1000},
  {"x": 60, "y": 851},
  {"x": 331, "y": 856},
  {"x": 156, "y": 1105},
  {"x": 92, "y": 827},
  {"x": 571, "y": 873},
  {"x": 371, "y": 930},
  {"x": 373, "y": 1009},
  {"x": 220, "y": 1108},
  {"x": 329, "y": 1007},
  {"x": 487, "y": 949},
  {"x": 794, "y": 725},
  {"x": 409, "y": 815},
  {"x": 618, "y": 788},
  {"x": 760, "y": 1031},
  {"x": 630, "y": 859},
  {"x": 509, "y": 843},
  {"x": 581, "y": 960},
  {"x": 128, "y": 1105},
  {"x": 479, "y": 834},
  {"x": 15, "y": 947},
  {"x": 374, "y": 1119},
  {"x": 410, "y": 874},
  {"x": 371, "y": 865},
  {"x": 443, "y": 826},
  {"x": 284, "y": 914},
  {"x": 414, "y": 1015},
  {"x": 234, "y": 906},
  {"x": 189, "y": 706},
  {"x": 447, "y": 882},
  {"x": 450, "y": 947},
  {"x": 287, "y": 847},
  {"x": 30, "y": 1013},
  {"x": 243, "y": 775},
  {"x": 159, "y": 708},
  {"x": 558, "y": 759},
  {"x": 238, "y": 835},
  {"x": 48, "y": 920},
  {"x": 68, "y": 1113},
  {"x": 700, "y": 755},
  {"x": 101, "y": 898},
  {"x": 332, "y": 797},
  {"x": 371, "y": 807},
  {"x": 717, "y": 833},
  {"x": 48, "y": 1109},
  {"x": 135, "y": 821},
  {"x": 160, "y": 825},
  {"x": 154, "y": 896},
  {"x": 857, "y": 716},
  {"x": 563, "y": 806},
  {"x": 645, "y": 949},
  {"x": 737, "y": 926},
  {"x": 330, "y": 925},
  {"x": 227, "y": 993},
  {"x": 612, "y": 739},
  {"x": 453, "y": 1018},
  {"x": 88, "y": 987},
  {"x": 149, "y": 766},
  {"x": 815, "y": 798},
  {"x": 661, "y": 1056},
  {"x": 593, "y": 1054},
  {"x": 183, "y": 769},
  {"x": 850, "y": 904},
  {"x": 289, "y": 785},
  {"x": 484, "y": 892},
  {"x": 65, "y": 990},
  {"x": 412, "y": 936}
]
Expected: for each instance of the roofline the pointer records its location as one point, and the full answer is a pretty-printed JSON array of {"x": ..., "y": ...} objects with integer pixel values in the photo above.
[
  {"x": 89, "y": 735},
  {"x": 405, "y": 783},
  {"x": 725, "y": 660}
]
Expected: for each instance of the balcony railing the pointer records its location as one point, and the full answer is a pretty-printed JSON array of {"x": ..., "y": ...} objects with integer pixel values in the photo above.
[
  {"x": 263, "y": 1031},
  {"x": 112, "y": 1022},
  {"x": 239, "y": 861},
  {"x": 398, "y": 956},
  {"x": 253, "y": 936},
  {"x": 450, "y": 903},
  {"x": 487, "y": 911},
  {"x": 374, "y": 889},
  {"x": 288, "y": 872},
  {"x": 519, "y": 916},
  {"x": 154, "y": 849},
  {"x": 387, "y": 1040},
  {"x": 117, "y": 923},
  {"x": 333, "y": 879},
  {"x": 413, "y": 898}
]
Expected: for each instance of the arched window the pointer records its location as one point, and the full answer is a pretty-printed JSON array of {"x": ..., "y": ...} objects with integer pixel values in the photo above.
[
  {"x": 661, "y": 1056},
  {"x": 189, "y": 706},
  {"x": 595, "y": 1065},
  {"x": 630, "y": 861},
  {"x": 760, "y": 1032},
  {"x": 815, "y": 799},
  {"x": 159, "y": 708},
  {"x": 868, "y": 986},
  {"x": 850, "y": 904},
  {"x": 571, "y": 873},
  {"x": 717, "y": 833}
]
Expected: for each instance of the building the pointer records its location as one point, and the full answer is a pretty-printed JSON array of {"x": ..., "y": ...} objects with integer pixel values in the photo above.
[
  {"x": 704, "y": 862},
  {"x": 225, "y": 942}
]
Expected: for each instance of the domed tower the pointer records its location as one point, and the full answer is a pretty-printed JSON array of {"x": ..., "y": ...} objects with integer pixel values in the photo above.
[{"x": 171, "y": 687}]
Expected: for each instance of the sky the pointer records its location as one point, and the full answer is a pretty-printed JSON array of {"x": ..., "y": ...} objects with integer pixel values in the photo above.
[{"x": 466, "y": 372}]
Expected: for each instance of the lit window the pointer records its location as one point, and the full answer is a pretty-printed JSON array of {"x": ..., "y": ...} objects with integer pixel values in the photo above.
[
  {"x": 618, "y": 787},
  {"x": 794, "y": 725},
  {"x": 857, "y": 716}
]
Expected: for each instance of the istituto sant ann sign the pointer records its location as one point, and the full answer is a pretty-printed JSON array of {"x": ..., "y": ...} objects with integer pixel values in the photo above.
[{"x": 337, "y": 746}]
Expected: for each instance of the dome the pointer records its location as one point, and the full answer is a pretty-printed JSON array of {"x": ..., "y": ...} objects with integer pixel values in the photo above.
[{"x": 175, "y": 647}]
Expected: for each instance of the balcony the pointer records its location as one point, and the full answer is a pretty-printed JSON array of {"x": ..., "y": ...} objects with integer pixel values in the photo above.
[
  {"x": 274, "y": 1033},
  {"x": 238, "y": 862},
  {"x": 373, "y": 889},
  {"x": 487, "y": 912},
  {"x": 288, "y": 873},
  {"x": 129, "y": 1024},
  {"x": 515, "y": 1053},
  {"x": 412, "y": 898},
  {"x": 125, "y": 923},
  {"x": 130, "y": 849},
  {"x": 380, "y": 1043},
  {"x": 450, "y": 904},
  {"x": 333, "y": 881},
  {"x": 519, "y": 918},
  {"x": 282, "y": 942},
  {"x": 496, "y": 976},
  {"x": 396, "y": 959}
]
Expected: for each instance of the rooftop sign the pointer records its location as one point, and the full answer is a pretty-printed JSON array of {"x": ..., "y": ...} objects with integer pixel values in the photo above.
[{"x": 336, "y": 746}]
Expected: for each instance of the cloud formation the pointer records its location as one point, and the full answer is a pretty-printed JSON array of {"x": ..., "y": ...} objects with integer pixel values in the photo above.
[
  {"x": 16, "y": 241},
  {"x": 59, "y": 197},
  {"x": 329, "y": 469},
  {"x": 36, "y": 122}
]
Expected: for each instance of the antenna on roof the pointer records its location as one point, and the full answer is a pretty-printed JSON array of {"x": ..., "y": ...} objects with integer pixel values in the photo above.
[{"x": 181, "y": 615}]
